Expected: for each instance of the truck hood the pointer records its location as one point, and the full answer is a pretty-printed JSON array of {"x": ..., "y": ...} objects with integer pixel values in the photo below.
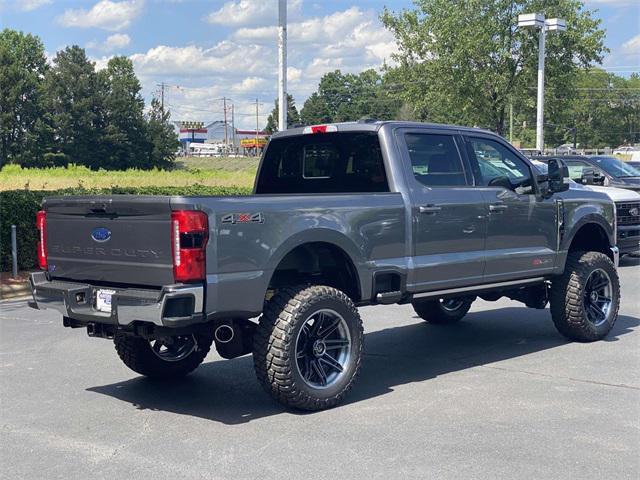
[{"x": 615, "y": 194}]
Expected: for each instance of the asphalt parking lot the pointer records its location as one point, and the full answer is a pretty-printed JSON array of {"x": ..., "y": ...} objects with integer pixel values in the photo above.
[{"x": 501, "y": 395}]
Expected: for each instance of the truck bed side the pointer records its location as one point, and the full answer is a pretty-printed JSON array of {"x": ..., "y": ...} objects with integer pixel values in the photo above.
[{"x": 249, "y": 237}]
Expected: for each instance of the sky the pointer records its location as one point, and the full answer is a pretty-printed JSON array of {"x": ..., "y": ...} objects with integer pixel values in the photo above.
[{"x": 204, "y": 50}]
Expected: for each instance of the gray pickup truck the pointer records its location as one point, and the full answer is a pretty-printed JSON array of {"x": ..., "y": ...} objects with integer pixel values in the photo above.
[{"x": 342, "y": 215}]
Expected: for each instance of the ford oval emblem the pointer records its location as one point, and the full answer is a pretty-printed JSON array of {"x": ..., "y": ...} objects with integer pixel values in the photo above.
[{"x": 101, "y": 234}]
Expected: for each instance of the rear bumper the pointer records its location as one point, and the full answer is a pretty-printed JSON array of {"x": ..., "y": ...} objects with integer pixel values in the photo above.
[{"x": 172, "y": 306}]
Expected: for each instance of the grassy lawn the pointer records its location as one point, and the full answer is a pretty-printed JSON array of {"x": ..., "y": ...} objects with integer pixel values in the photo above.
[{"x": 214, "y": 172}]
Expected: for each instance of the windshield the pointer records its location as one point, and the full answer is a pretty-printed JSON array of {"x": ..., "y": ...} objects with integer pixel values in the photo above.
[{"x": 616, "y": 168}]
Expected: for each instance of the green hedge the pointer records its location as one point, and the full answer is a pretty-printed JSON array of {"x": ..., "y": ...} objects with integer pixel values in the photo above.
[{"x": 19, "y": 208}]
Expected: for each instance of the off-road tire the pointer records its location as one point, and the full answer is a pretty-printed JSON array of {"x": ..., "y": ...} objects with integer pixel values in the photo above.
[
  {"x": 567, "y": 297},
  {"x": 432, "y": 311},
  {"x": 136, "y": 353},
  {"x": 275, "y": 339}
]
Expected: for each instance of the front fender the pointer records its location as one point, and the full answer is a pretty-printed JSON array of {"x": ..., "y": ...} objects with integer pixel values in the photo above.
[{"x": 601, "y": 215}]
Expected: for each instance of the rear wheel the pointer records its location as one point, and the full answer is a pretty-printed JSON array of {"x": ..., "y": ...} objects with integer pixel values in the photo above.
[
  {"x": 308, "y": 347},
  {"x": 585, "y": 299},
  {"x": 165, "y": 357},
  {"x": 443, "y": 311}
]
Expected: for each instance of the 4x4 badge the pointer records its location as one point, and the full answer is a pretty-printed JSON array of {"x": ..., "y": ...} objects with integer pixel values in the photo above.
[{"x": 243, "y": 218}]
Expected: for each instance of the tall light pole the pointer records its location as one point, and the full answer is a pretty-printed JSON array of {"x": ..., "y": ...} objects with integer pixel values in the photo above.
[
  {"x": 537, "y": 20},
  {"x": 282, "y": 65}
]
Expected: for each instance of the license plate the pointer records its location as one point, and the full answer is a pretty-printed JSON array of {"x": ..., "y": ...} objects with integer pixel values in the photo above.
[{"x": 103, "y": 300}]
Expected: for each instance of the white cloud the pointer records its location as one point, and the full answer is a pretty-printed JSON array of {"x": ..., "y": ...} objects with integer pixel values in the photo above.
[
  {"x": 249, "y": 85},
  {"x": 225, "y": 57},
  {"x": 106, "y": 14},
  {"x": 244, "y": 65},
  {"x": 293, "y": 74},
  {"x": 101, "y": 63},
  {"x": 632, "y": 46},
  {"x": 30, "y": 5},
  {"x": 113, "y": 42},
  {"x": 351, "y": 40},
  {"x": 251, "y": 12},
  {"x": 318, "y": 29}
]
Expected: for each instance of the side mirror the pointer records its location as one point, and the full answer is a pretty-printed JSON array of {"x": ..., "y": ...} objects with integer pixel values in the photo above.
[
  {"x": 598, "y": 178},
  {"x": 588, "y": 176},
  {"x": 558, "y": 176}
]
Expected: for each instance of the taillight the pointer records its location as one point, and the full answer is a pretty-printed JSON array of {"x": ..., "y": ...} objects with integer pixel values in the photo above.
[
  {"x": 41, "y": 223},
  {"x": 189, "y": 236}
]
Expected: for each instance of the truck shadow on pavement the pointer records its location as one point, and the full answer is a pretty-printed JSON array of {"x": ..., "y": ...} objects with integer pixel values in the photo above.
[{"x": 227, "y": 391}]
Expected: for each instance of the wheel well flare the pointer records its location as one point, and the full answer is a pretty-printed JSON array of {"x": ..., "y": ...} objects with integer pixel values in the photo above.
[{"x": 318, "y": 263}]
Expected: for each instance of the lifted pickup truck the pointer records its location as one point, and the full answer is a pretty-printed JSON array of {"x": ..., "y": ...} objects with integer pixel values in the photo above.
[{"x": 342, "y": 215}]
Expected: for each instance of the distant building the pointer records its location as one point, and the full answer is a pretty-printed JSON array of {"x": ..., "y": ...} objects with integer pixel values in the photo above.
[
  {"x": 190, "y": 132},
  {"x": 216, "y": 134},
  {"x": 242, "y": 141}
]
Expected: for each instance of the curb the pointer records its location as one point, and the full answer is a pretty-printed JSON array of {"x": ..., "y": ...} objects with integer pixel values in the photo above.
[{"x": 14, "y": 291}]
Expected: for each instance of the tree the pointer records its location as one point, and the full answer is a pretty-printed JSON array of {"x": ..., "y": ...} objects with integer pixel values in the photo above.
[
  {"x": 22, "y": 68},
  {"x": 464, "y": 62},
  {"x": 347, "y": 97},
  {"x": 75, "y": 108},
  {"x": 124, "y": 140},
  {"x": 605, "y": 112},
  {"x": 163, "y": 140},
  {"x": 293, "y": 117}
]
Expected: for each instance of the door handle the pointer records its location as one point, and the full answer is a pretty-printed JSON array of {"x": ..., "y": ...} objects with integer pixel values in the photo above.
[
  {"x": 498, "y": 207},
  {"x": 430, "y": 209}
]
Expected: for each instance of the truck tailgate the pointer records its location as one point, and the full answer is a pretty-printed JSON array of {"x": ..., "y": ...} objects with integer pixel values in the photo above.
[{"x": 115, "y": 239}]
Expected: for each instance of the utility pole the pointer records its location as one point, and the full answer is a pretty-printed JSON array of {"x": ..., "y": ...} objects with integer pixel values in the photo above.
[
  {"x": 540, "y": 101},
  {"x": 538, "y": 21},
  {"x": 257, "y": 125},
  {"x": 161, "y": 85},
  {"x": 282, "y": 66},
  {"x": 224, "y": 107},
  {"x": 233, "y": 126},
  {"x": 510, "y": 121}
]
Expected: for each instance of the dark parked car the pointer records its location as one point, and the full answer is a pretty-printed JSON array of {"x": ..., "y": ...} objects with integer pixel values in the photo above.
[
  {"x": 600, "y": 170},
  {"x": 342, "y": 216}
]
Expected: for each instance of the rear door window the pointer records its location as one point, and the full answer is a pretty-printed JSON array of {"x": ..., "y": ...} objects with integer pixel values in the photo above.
[{"x": 435, "y": 159}]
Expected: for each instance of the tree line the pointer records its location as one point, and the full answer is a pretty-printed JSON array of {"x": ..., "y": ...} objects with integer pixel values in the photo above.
[
  {"x": 467, "y": 63},
  {"x": 63, "y": 112}
]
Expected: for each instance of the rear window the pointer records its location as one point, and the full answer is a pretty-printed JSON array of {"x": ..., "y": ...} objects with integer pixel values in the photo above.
[{"x": 324, "y": 163}]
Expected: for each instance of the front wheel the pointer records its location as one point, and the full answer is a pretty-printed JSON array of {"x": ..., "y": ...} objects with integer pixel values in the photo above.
[
  {"x": 163, "y": 358},
  {"x": 585, "y": 299},
  {"x": 308, "y": 347},
  {"x": 443, "y": 311}
]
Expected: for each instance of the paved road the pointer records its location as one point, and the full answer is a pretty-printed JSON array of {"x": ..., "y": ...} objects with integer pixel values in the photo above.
[{"x": 500, "y": 395}]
